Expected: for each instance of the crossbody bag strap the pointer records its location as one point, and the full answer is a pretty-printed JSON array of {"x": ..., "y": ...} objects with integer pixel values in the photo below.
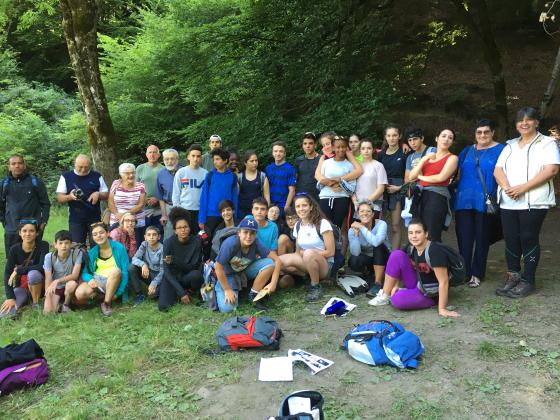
[{"x": 477, "y": 164}]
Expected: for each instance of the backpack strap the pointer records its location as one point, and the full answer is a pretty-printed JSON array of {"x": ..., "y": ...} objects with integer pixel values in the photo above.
[
  {"x": 5, "y": 183},
  {"x": 427, "y": 254}
]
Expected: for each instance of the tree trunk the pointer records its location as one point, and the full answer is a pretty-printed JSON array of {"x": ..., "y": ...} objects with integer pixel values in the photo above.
[
  {"x": 79, "y": 20},
  {"x": 483, "y": 30},
  {"x": 551, "y": 88}
]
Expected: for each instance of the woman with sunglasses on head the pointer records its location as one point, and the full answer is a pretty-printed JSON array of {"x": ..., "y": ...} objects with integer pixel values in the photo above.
[
  {"x": 472, "y": 224},
  {"x": 393, "y": 159},
  {"x": 23, "y": 274},
  {"x": 126, "y": 234},
  {"x": 371, "y": 184},
  {"x": 106, "y": 273},
  {"x": 315, "y": 247},
  {"x": 524, "y": 174},
  {"x": 252, "y": 184},
  {"x": 434, "y": 173}
]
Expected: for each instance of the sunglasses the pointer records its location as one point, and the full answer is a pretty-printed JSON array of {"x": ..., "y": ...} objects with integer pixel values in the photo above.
[
  {"x": 28, "y": 222},
  {"x": 97, "y": 224}
]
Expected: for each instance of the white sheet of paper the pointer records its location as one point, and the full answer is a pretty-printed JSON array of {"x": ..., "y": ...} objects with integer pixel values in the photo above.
[
  {"x": 299, "y": 405},
  {"x": 276, "y": 369},
  {"x": 349, "y": 306}
]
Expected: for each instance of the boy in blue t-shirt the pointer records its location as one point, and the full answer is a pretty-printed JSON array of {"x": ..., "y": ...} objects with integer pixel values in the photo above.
[
  {"x": 268, "y": 230},
  {"x": 281, "y": 177},
  {"x": 244, "y": 254}
]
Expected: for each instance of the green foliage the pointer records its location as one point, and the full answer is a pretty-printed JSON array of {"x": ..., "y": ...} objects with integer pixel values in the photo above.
[{"x": 40, "y": 122}]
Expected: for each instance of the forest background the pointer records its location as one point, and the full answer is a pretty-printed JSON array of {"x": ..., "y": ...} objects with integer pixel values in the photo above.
[{"x": 176, "y": 71}]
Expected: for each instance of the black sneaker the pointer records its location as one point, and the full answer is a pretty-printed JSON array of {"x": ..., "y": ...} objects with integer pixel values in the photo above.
[
  {"x": 512, "y": 280},
  {"x": 259, "y": 304},
  {"x": 523, "y": 289},
  {"x": 314, "y": 293},
  {"x": 373, "y": 290},
  {"x": 139, "y": 299}
]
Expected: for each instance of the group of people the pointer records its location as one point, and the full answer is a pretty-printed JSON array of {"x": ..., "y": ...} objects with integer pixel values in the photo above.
[{"x": 220, "y": 224}]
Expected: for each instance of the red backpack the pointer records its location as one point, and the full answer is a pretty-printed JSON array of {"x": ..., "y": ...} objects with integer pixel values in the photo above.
[{"x": 245, "y": 332}]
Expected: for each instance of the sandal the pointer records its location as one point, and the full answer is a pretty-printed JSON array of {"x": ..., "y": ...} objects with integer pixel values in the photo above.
[{"x": 473, "y": 282}]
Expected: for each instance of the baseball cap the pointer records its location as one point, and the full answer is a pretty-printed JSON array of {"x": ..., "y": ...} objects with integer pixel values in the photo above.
[{"x": 249, "y": 224}]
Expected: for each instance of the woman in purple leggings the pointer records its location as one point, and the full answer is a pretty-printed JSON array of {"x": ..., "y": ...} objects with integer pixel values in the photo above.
[{"x": 401, "y": 268}]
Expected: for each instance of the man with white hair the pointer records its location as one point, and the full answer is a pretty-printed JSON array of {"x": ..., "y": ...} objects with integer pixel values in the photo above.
[
  {"x": 164, "y": 187},
  {"x": 146, "y": 173},
  {"x": 214, "y": 142},
  {"x": 83, "y": 189}
]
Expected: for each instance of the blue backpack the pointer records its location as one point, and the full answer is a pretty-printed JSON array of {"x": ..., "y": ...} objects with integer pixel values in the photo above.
[{"x": 384, "y": 343}]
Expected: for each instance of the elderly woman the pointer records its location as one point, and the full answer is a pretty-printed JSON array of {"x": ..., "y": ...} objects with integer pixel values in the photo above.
[
  {"x": 127, "y": 195},
  {"x": 476, "y": 182},
  {"x": 524, "y": 173}
]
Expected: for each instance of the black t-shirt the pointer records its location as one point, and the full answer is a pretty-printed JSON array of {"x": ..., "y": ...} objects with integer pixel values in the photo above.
[
  {"x": 438, "y": 258},
  {"x": 305, "y": 169},
  {"x": 394, "y": 164}
]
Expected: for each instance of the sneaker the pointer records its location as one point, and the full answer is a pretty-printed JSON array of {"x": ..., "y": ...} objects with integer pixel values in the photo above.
[
  {"x": 106, "y": 309},
  {"x": 65, "y": 309},
  {"x": 259, "y": 304},
  {"x": 381, "y": 299},
  {"x": 36, "y": 306},
  {"x": 474, "y": 282},
  {"x": 512, "y": 280},
  {"x": 523, "y": 289},
  {"x": 314, "y": 293},
  {"x": 11, "y": 314},
  {"x": 373, "y": 290},
  {"x": 139, "y": 299}
]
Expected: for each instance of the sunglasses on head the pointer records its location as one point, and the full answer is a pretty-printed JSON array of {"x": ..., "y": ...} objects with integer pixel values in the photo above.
[{"x": 28, "y": 222}]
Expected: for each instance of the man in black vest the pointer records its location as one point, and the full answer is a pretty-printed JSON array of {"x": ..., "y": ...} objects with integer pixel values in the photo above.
[
  {"x": 82, "y": 189},
  {"x": 22, "y": 196}
]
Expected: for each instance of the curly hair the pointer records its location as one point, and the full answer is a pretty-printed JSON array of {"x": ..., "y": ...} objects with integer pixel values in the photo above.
[{"x": 178, "y": 213}]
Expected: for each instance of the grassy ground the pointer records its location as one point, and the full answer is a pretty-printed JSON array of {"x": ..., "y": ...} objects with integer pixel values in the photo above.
[{"x": 499, "y": 360}]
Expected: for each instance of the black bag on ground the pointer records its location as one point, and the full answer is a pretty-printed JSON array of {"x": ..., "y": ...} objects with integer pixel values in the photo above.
[
  {"x": 316, "y": 404},
  {"x": 15, "y": 354}
]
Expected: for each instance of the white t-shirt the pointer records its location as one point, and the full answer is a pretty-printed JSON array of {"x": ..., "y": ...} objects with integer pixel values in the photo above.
[
  {"x": 62, "y": 187},
  {"x": 373, "y": 176},
  {"x": 514, "y": 162},
  {"x": 332, "y": 169},
  {"x": 308, "y": 238}
]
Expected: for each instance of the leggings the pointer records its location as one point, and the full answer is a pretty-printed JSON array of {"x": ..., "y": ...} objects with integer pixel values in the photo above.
[
  {"x": 521, "y": 234},
  {"x": 336, "y": 209},
  {"x": 471, "y": 227},
  {"x": 432, "y": 210},
  {"x": 22, "y": 295},
  {"x": 174, "y": 287},
  {"x": 400, "y": 267}
]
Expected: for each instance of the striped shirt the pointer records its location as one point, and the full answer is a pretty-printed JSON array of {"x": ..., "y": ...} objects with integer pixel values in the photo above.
[{"x": 125, "y": 199}]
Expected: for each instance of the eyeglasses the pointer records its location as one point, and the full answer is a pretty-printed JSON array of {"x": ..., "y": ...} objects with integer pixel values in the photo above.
[
  {"x": 28, "y": 222},
  {"x": 129, "y": 220}
]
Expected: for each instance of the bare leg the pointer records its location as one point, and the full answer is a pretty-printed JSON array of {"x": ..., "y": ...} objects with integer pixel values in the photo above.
[
  {"x": 379, "y": 271},
  {"x": 84, "y": 292},
  {"x": 285, "y": 245},
  {"x": 262, "y": 278},
  {"x": 35, "y": 290},
  {"x": 113, "y": 281},
  {"x": 396, "y": 226},
  {"x": 51, "y": 303},
  {"x": 293, "y": 264},
  {"x": 316, "y": 265},
  {"x": 69, "y": 292},
  {"x": 391, "y": 285}
]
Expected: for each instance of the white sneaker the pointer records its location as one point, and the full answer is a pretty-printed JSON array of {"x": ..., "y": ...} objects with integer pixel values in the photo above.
[{"x": 381, "y": 299}]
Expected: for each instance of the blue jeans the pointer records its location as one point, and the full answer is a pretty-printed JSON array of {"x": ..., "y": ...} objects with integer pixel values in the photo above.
[{"x": 252, "y": 271}]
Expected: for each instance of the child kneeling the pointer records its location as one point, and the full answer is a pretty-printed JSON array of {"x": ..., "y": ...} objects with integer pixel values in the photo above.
[{"x": 147, "y": 266}]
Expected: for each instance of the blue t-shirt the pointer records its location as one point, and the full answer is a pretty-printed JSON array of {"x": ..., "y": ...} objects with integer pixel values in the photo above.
[
  {"x": 268, "y": 235},
  {"x": 470, "y": 194},
  {"x": 280, "y": 177},
  {"x": 413, "y": 158},
  {"x": 234, "y": 260}
]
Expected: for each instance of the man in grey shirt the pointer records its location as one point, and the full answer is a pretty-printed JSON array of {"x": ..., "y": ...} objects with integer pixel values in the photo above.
[
  {"x": 214, "y": 142},
  {"x": 187, "y": 185}
]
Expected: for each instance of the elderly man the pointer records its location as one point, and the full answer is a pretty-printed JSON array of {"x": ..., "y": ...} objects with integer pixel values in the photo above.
[
  {"x": 83, "y": 190},
  {"x": 147, "y": 173},
  {"x": 164, "y": 188},
  {"x": 22, "y": 196},
  {"x": 214, "y": 142}
]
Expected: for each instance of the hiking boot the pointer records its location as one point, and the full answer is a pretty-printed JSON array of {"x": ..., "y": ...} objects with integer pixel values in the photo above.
[
  {"x": 139, "y": 299},
  {"x": 512, "y": 280},
  {"x": 381, "y": 299},
  {"x": 314, "y": 293},
  {"x": 106, "y": 309},
  {"x": 259, "y": 304},
  {"x": 373, "y": 290},
  {"x": 65, "y": 309},
  {"x": 523, "y": 289}
]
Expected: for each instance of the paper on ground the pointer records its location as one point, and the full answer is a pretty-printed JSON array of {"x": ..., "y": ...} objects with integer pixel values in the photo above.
[
  {"x": 314, "y": 362},
  {"x": 276, "y": 369},
  {"x": 349, "y": 306}
]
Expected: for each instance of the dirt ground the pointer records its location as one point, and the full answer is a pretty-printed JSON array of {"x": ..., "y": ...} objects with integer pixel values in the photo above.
[{"x": 498, "y": 360}]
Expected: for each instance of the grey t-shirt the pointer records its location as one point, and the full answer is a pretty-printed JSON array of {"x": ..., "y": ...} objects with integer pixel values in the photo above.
[
  {"x": 61, "y": 268},
  {"x": 413, "y": 159}
]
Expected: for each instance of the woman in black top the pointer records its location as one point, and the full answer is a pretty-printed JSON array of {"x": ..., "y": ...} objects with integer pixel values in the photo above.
[
  {"x": 394, "y": 160},
  {"x": 24, "y": 273},
  {"x": 182, "y": 258},
  {"x": 252, "y": 184}
]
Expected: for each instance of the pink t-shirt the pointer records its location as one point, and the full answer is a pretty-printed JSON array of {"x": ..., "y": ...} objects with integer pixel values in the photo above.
[
  {"x": 125, "y": 199},
  {"x": 373, "y": 176}
]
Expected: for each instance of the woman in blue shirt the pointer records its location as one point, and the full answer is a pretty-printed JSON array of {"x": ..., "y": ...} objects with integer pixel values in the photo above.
[{"x": 471, "y": 220}]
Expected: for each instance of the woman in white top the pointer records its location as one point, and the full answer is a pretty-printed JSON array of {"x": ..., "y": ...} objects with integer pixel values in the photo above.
[
  {"x": 315, "y": 246},
  {"x": 371, "y": 184},
  {"x": 524, "y": 173}
]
